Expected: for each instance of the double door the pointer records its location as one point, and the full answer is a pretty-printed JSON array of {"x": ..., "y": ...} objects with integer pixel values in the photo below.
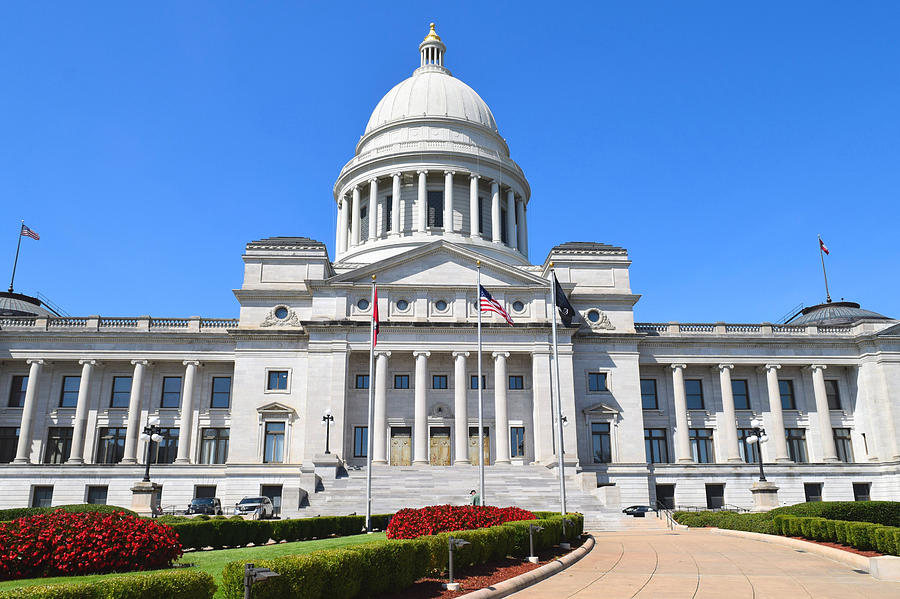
[
  {"x": 401, "y": 445},
  {"x": 485, "y": 445}
]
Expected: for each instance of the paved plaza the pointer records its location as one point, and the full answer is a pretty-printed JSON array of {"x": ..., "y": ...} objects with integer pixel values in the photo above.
[{"x": 650, "y": 561}]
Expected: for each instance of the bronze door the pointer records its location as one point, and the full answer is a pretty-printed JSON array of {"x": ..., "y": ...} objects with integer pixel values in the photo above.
[
  {"x": 401, "y": 445},
  {"x": 473, "y": 445},
  {"x": 440, "y": 446}
]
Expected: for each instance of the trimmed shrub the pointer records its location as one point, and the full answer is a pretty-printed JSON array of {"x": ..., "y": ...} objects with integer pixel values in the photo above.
[
  {"x": 840, "y": 532},
  {"x": 879, "y": 512},
  {"x": 862, "y": 535},
  {"x": 184, "y": 584},
  {"x": 24, "y": 512},
  {"x": 411, "y": 523},
  {"x": 830, "y": 532}
]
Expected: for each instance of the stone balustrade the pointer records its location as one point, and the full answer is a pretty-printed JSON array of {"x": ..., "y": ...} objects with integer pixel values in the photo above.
[
  {"x": 97, "y": 323},
  {"x": 764, "y": 329}
]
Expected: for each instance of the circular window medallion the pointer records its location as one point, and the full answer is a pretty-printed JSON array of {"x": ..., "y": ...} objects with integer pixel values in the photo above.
[
  {"x": 402, "y": 305},
  {"x": 281, "y": 312},
  {"x": 440, "y": 305},
  {"x": 593, "y": 315},
  {"x": 518, "y": 306},
  {"x": 363, "y": 304}
]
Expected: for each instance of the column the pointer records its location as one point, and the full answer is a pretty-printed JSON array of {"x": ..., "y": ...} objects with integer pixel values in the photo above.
[
  {"x": 523, "y": 231},
  {"x": 76, "y": 456},
  {"x": 422, "y": 207},
  {"x": 829, "y": 453},
  {"x": 501, "y": 409},
  {"x": 776, "y": 418},
  {"x": 682, "y": 437},
  {"x": 460, "y": 408},
  {"x": 420, "y": 428},
  {"x": 448, "y": 201},
  {"x": 520, "y": 226},
  {"x": 373, "y": 212},
  {"x": 134, "y": 413},
  {"x": 474, "y": 213},
  {"x": 495, "y": 212},
  {"x": 395, "y": 204},
  {"x": 187, "y": 412},
  {"x": 379, "y": 419},
  {"x": 23, "y": 449},
  {"x": 511, "y": 238},
  {"x": 354, "y": 223},
  {"x": 728, "y": 424}
]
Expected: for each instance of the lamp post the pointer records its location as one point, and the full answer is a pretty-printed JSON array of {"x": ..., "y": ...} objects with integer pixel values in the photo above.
[
  {"x": 453, "y": 544},
  {"x": 327, "y": 419},
  {"x": 152, "y": 433},
  {"x": 759, "y": 437},
  {"x": 532, "y": 528}
]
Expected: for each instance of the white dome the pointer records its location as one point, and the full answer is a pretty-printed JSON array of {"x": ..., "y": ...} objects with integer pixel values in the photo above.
[{"x": 431, "y": 93}]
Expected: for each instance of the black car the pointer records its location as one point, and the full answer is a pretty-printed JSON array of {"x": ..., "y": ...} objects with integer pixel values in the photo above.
[
  {"x": 637, "y": 511},
  {"x": 205, "y": 505}
]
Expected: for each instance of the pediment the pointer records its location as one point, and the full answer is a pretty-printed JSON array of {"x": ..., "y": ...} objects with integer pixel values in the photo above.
[
  {"x": 276, "y": 408},
  {"x": 601, "y": 409}
]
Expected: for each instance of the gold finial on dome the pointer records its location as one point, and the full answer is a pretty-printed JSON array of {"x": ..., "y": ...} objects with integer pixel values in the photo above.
[{"x": 432, "y": 35}]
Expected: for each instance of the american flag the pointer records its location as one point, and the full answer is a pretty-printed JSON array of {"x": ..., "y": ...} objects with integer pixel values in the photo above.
[
  {"x": 489, "y": 304},
  {"x": 26, "y": 232}
]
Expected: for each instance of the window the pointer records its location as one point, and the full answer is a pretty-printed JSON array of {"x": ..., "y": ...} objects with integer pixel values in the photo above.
[
  {"x": 693, "y": 391},
  {"x": 167, "y": 448},
  {"x": 97, "y": 494},
  {"x": 503, "y": 218},
  {"x": 121, "y": 392},
  {"x": 435, "y": 208},
  {"x": 481, "y": 215},
  {"x": 787, "y": 395},
  {"x": 473, "y": 381},
  {"x": 600, "y": 443},
  {"x": 17, "y": 391},
  {"x": 9, "y": 440},
  {"x": 402, "y": 305},
  {"x": 833, "y": 395},
  {"x": 516, "y": 382},
  {"x": 741, "y": 394},
  {"x": 278, "y": 380},
  {"x": 388, "y": 212},
  {"x": 596, "y": 381},
  {"x": 205, "y": 491},
  {"x": 439, "y": 381},
  {"x": 171, "y": 392},
  {"x": 702, "y": 445},
  {"x": 360, "y": 441},
  {"x": 214, "y": 445},
  {"x": 274, "y": 443},
  {"x": 363, "y": 304},
  {"x": 749, "y": 451},
  {"x": 441, "y": 306},
  {"x": 68, "y": 396},
  {"x": 715, "y": 496},
  {"x": 362, "y": 381},
  {"x": 843, "y": 444},
  {"x": 655, "y": 446},
  {"x": 59, "y": 445},
  {"x": 517, "y": 441},
  {"x": 401, "y": 381},
  {"x": 42, "y": 496},
  {"x": 649, "y": 399},
  {"x": 861, "y": 491},
  {"x": 813, "y": 491},
  {"x": 796, "y": 440},
  {"x": 221, "y": 392},
  {"x": 111, "y": 447}
]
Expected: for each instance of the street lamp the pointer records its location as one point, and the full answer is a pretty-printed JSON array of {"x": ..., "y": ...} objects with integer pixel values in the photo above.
[
  {"x": 327, "y": 419},
  {"x": 759, "y": 437},
  {"x": 152, "y": 433}
]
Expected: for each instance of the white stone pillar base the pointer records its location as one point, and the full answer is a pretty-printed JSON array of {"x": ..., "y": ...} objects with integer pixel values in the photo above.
[{"x": 145, "y": 498}]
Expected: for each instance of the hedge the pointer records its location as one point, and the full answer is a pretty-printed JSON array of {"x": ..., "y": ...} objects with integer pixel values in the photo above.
[
  {"x": 230, "y": 532},
  {"x": 865, "y": 536},
  {"x": 761, "y": 523},
  {"x": 389, "y": 566},
  {"x": 879, "y": 512},
  {"x": 186, "y": 584},
  {"x": 21, "y": 512}
]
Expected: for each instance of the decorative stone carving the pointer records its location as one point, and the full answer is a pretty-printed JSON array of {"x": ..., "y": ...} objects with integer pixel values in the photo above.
[
  {"x": 440, "y": 410},
  {"x": 281, "y": 316},
  {"x": 597, "y": 320}
]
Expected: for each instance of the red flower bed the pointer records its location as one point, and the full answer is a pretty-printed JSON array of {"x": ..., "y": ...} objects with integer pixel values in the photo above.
[
  {"x": 409, "y": 523},
  {"x": 61, "y": 544}
]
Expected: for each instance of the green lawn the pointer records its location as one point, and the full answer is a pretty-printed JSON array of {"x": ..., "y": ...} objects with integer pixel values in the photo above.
[{"x": 213, "y": 561}]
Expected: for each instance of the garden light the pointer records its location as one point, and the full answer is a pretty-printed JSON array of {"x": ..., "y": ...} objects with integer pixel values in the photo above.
[
  {"x": 454, "y": 543},
  {"x": 253, "y": 574},
  {"x": 565, "y": 544},
  {"x": 531, "y": 530}
]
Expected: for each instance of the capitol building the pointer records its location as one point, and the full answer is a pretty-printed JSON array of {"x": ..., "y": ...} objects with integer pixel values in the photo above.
[{"x": 652, "y": 411}]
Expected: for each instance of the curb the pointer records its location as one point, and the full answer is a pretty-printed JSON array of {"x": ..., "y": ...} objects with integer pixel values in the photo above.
[
  {"x": 523, "y": 581},
  {"x": 859, "y": 562}
]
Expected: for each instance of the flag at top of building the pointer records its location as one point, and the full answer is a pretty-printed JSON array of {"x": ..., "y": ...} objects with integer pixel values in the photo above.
[
  {"x": 489, "y": 304},
  {"x": 26, "y": 232}
]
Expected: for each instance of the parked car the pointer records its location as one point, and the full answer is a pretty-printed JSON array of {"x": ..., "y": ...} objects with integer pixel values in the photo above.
[
  {"x": 637, "y": 511},
  {"x": 205, "y": 505},
  {"x": 250, "y": 505}
]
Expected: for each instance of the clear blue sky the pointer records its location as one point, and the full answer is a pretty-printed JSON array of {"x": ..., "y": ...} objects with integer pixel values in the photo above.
[{"x": 714, "y": 140}]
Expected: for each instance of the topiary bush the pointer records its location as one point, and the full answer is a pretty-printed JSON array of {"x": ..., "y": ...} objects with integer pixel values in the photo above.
[
  {"x": 410, "y": 523},
  {"x": 22, "y": 512},
  {"x": 184, "y": 584}
]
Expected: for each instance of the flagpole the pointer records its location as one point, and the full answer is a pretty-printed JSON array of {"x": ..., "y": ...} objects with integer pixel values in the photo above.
[
  {"x": 559, "y": 447},
  {"x": 480, "y": 391},
  {"x": 824, "y": 274},
  {"x": 16, "y": 261},
  {"x": 371, "y": 417}
]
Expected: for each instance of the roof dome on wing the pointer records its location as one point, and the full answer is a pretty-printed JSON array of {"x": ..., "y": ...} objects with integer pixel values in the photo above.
[
  {"x": 835, "y": 313},
  {"x": 18, "y": 304}
]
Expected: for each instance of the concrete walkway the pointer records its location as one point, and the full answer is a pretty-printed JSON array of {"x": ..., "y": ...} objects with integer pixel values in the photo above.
[{"x": 650, "y": 561}]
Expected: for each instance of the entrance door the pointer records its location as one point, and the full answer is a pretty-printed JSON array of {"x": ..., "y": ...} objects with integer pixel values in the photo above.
[
  {"x": 715, "y": 496},
  {"x": 665, "y": 496},
  {"x": 401, "y": 445},
  {"x": 473, "y": 445},
  {"x": 273, "y": 492},
  {"x": 440, "y": 445}
]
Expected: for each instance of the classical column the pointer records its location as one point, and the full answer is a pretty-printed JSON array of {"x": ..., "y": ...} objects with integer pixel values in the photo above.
[
  {"x": 501, "y": 408},
  {"x": 420, "y": 429},
  {"x": 474, "y": 212},
  {"x": 187, "y": 413},
  {"x": 395, "y": 204},
  {"x": 379, "y": 419},
  {"x": 134, "y": 413},
  {"x": 354, "y": 223},
  {"x": 448, "y": 201},
  {"x": 422, "y": 206},
  {"x": 23, "y": 449},
  {"x": 728, "y": 424},
  {"x": 373, "y": 212},
  {"x": 520, "y": 226},
  {"x": 511, "y": 238},
  {"x": 829, "y": 453},
  {"x": 496, "y": 236},
  {"x": 682, "y": 437},
  {"x": 76, "y": 456},
  {"x": 776, "y": 426},
  {"x": 460, "y": 408},
  {"x": 523, "y": 231}
]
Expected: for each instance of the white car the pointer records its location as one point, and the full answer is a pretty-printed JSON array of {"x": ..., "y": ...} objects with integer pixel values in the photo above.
[{"x": 259, "y": 507}]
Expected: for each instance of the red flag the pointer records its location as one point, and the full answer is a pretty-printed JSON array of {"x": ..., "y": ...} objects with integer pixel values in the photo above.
[
  {"x": 375, "y": 318},
  {"x": 822, "y": 246}
]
